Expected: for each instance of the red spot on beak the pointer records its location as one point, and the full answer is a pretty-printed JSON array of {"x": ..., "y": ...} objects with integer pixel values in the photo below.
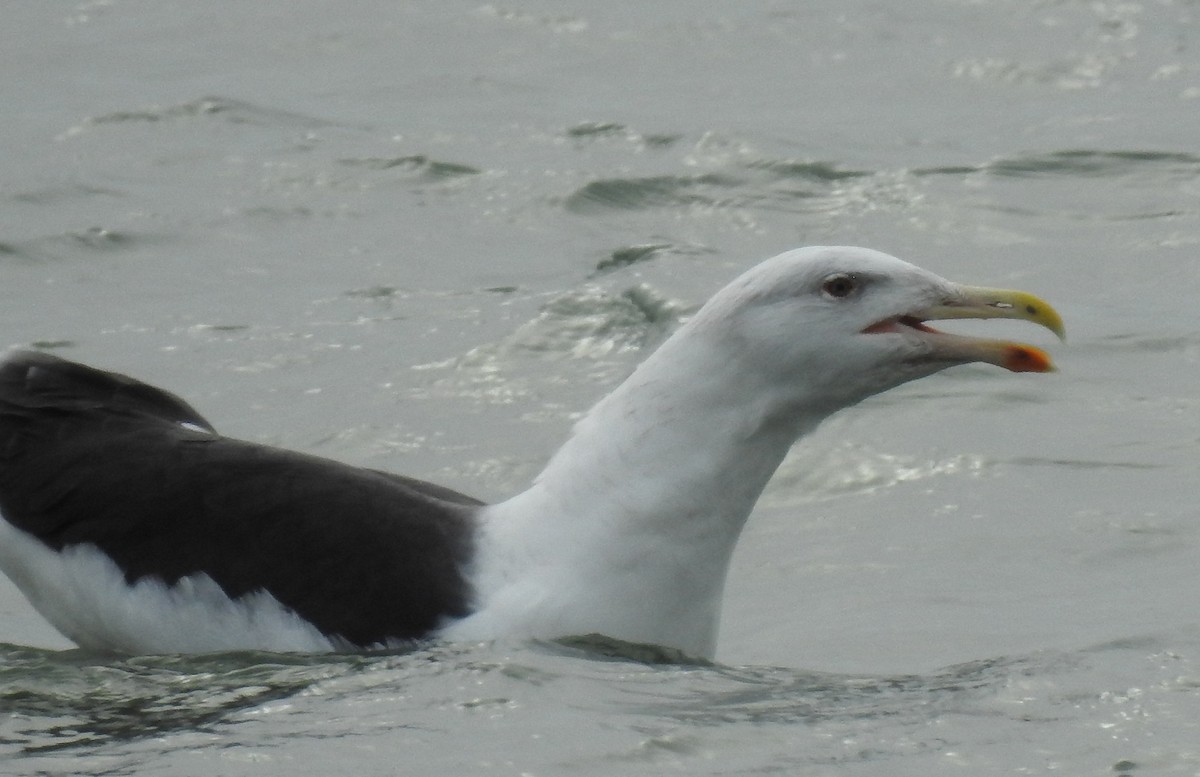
[{"x": 1026, "y": 358}]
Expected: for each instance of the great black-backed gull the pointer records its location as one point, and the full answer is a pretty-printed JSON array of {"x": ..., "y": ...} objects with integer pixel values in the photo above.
[{"x": 134, "y": 526}]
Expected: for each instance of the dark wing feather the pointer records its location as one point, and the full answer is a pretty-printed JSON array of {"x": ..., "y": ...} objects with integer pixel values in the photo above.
[
  {"x": 34, "y": 380},
  {"x": 92, "y": 457}
]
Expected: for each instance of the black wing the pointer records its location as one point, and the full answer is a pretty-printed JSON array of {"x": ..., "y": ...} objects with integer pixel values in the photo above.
[{"x": 93, "y": 457}]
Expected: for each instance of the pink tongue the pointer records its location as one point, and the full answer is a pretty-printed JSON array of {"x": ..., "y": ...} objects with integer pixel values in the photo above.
[{"x": 894, "y": 325}]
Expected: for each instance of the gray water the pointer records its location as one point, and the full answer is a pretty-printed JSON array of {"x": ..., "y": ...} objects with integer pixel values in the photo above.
[{"x": 425, "y": 236}]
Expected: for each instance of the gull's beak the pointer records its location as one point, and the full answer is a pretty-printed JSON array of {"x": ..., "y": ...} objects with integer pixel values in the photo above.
[{"x": 981, "y": 302}]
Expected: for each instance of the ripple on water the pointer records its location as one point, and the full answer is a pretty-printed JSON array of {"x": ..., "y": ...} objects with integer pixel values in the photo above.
[
  {"x": 213, "y": 107},
  {"x": 83, "y": 243},
  {"x": 815, "y": 475},
  {"x": 1082, "y": 163},
  {"x": 785, "y": 185},
  {"x": 593, "y": 324},
  {"x": 627, "y": 256},
  {"x": 416, "y": 166},
  {"x": 472, "y": 708},
  {"x": 52, "y": 700}
]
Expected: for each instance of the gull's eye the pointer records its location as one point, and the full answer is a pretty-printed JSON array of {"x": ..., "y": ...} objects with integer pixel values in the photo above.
[{"x": 839, "y": 286}]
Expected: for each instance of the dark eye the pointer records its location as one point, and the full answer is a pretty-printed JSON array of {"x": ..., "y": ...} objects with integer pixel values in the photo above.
[{"x": 839, "y": 286}]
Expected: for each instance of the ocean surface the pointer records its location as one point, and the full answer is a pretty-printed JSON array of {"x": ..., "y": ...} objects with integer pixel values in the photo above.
[{"x": 425, "y": 237}]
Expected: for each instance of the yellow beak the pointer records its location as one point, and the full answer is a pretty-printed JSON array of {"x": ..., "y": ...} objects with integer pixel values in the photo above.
[{"x": 982, "y": 302}]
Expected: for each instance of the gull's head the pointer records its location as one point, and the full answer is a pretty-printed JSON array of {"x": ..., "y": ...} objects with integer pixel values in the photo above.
[{"x": 837, "y": 324}]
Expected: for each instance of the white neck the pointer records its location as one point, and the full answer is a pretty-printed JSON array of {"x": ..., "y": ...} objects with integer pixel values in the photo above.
[{"x": 629, "y": 530}]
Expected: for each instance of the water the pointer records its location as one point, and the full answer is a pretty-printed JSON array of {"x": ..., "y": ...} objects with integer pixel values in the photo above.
[
  {"x": 424, "y": 237},
  {"x": 549, "y": 709}
]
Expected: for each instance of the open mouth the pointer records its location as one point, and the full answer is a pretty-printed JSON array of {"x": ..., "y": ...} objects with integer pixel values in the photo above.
[
  {"x": 980, "y": 302},
  {"x": 899, "y": 323}
]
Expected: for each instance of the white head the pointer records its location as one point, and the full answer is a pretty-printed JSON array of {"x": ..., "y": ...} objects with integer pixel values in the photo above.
[{"x": 840, "y": 323}]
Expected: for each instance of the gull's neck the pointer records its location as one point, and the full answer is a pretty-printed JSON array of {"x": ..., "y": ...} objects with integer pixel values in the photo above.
[{"x": 629, "y": 529}]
